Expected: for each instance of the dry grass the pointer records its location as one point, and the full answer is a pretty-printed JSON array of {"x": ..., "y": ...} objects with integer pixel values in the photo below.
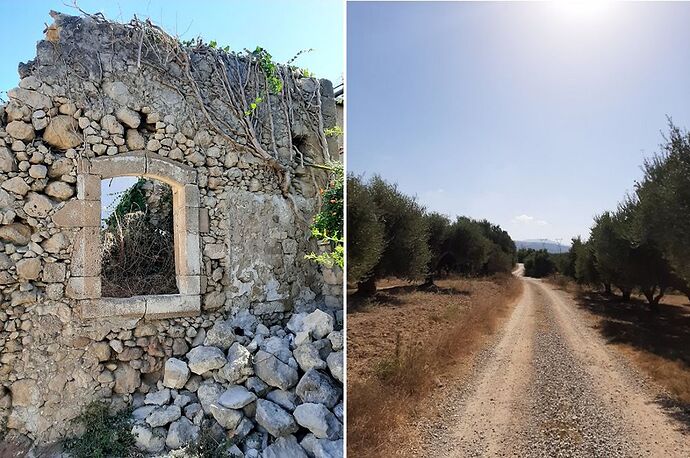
[{"x": 404, "y": 344}]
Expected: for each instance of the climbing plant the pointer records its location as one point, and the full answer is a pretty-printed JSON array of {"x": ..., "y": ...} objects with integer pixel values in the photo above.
[{"x": 328, "y": 223}]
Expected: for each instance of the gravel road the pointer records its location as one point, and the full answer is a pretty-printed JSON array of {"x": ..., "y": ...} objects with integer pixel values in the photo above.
[{"x": 550, "y": 387}]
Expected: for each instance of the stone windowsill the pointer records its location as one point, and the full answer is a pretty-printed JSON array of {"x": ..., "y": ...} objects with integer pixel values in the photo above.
[{"x": 150, "y": 307}]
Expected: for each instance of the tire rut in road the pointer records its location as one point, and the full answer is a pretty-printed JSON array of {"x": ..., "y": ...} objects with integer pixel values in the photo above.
[{"x": 565, "y": 417}]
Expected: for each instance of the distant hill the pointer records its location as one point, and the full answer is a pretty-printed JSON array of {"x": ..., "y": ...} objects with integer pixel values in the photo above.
[{"x": 549, "y": 245}]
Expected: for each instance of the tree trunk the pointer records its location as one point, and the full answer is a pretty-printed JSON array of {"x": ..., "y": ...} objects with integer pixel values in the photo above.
[
  {"x": 428, "y": 282},
  {"x": 607, "y": 289},
  {"x": 367, "y": 287},
  {"x": 626, "y": 294}
]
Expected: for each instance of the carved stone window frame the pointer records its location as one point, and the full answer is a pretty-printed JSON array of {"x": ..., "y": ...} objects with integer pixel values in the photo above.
[{"x": 84, "y": 214}]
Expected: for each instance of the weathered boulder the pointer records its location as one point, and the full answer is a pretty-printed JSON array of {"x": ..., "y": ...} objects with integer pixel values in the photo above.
[
  {"x": 285, "y": 399},
  {"x": 59, "y": 190},
  {"x": 175, "y": 374},
  {"x": 16, "y": 185},
  {"x": 208, "y": 393},
  {"x": 163, "y": 416},
  {"x": 128, "y": 117},
  {"x": 7, "y": 161},
  {"x": 335, "y": 365},
  {"x": 56, "y": 243},
  {"x": 203, "y": 359},
  {"x": 16, "y": 234},
  {"x": 29, "y": 269},
  {"x": 236, "y": 397},
  {"x": 37, "y": 205},
  {"x": 227, "y": 418},
  {"x": 135, "y": 141},
  {"x": 62, "y": 133},
  {"x": 127, "y": 379},
  {"x": 110, "y": 124},
  {"x": 220, "y": 335},
  {"x": 318, "y": 388},
  {"x": 21, "y": 130},
  {"x": 38, "y": 171},
  {"x": 318, "y": 323},
  {"x": 322, "y": 448},
  {"x": 147, "y": 440},
  {"x": 273, "y": 371},
  {"x": 274, "y": 419},
  {"x": 284, "y": 447},
  {"x": 59, "y": 167},
  {"x": 319, "y": 420},
  {"x": 33, "y": 99},
  {"x": 181, "y": 433},
  {"x": 307, "y": 356},
  {"x": 239, "y": 366},
  {"x": 158, "y": 398}
]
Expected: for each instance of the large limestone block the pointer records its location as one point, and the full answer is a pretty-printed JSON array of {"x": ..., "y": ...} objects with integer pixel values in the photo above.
[
  {"x": 21, "y": 131},
  {"x": 16, "y": 234},
  {"x": 33, "y": 99},
  {"x": 62, "y": 133}
]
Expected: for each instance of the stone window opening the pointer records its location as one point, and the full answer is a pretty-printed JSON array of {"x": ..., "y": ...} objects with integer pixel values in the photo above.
[
  {"x": 137, "y": 238},
  {"x": 84, "y": 215}
]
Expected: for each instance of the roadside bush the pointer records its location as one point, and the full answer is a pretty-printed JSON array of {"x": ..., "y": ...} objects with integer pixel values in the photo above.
[
  {"x": 365, "y": 232},
  {"x": 106, "y": 434},
  {"x": 539, "y": 264}
]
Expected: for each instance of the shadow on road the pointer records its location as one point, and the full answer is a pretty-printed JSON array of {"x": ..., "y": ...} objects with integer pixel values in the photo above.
[{"x": 665, "y": 334}]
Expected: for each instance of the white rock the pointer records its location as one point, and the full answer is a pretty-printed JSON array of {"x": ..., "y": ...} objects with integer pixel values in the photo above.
[
  {"x": 238, "y": 367},
  {"x": 318, "y": 323},
  {"x": 158, "y": 398},
  {"x": 181, "y": 433},
  {"x": 273, "y": 371},
  {"x": 319, "y": 420},
  {"x": 129, "y": 118},
  {"x": 227, "y": 418},
  {"x": 274, "y": 419},
  {"x": 147, "y": 440},
  {"x": 203, "y": 359},
  {"x": 236, "y": 397},
  {"x": 308, "y": 357},
  {"x": 284, "y": 447},
  {"x": 176, "y": 373},
  {"x": 335, "y": 365},
  {"x": 163, "y": 416}
]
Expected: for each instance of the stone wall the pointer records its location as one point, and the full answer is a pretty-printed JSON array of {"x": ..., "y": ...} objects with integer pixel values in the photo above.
[{"x": 251, "y": 348}]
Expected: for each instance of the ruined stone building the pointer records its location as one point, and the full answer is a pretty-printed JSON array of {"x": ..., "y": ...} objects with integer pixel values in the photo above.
[{"x": 252, "y": 342}]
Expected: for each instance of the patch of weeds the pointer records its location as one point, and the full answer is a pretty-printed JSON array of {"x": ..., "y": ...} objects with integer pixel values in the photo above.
[
  {"x": 3, "y": 428},
  {"x": 208, "y": 446},
  {"x": 387, "y": 368},
  {"x": 106, "y": 434},
  {"x": 451, "y": 311}
]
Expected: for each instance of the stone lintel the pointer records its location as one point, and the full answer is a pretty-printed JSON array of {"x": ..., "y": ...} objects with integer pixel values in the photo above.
[
  {"x": 129, "y": 164},
  {"x": 169, "y": 171}
]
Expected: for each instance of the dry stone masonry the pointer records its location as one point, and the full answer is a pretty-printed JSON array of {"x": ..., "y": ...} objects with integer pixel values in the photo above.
[{"x": 252, "y": 346}]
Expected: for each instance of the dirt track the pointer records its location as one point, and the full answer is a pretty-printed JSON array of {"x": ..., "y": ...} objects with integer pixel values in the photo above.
[{"x": 551, "y": 387}]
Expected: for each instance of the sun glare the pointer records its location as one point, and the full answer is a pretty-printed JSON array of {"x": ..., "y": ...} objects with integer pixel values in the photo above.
[{"x": 582, "y": 10}]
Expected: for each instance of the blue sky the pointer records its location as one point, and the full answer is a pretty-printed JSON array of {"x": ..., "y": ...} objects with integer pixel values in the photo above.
[
  {"x": 280, "y": 26},
  {"x": 535, "y": 116}
]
